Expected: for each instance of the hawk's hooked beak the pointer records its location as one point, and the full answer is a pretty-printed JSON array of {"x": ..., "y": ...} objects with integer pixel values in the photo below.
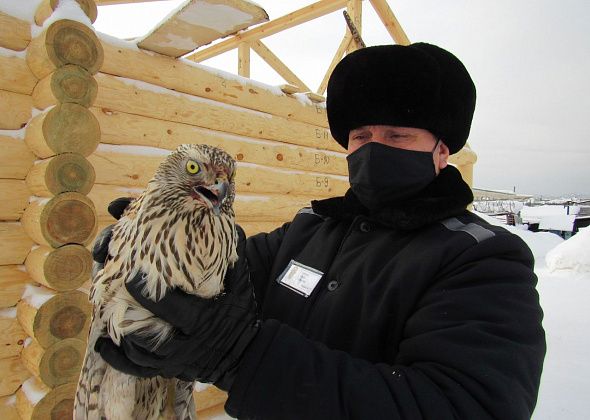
[{"x": 213, "y": 194}]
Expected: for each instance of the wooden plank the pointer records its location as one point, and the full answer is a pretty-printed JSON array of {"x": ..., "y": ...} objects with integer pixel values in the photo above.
[
  {"x": 184, "y": 76},
  {"x": 15, "y": 34},
  {"x": 198, "y": 23},
  {"x": 390, "y": 22},
  {"x": 277, "y": 65},
  {"x": 121, "y": 166},
  {"x": 355, "y": 12},
  {"x": 121, "y": 95},
  {"x": 15, "y": 110},
  {"x": 16, "y": 75},
  {"x": 120, "y": 128},
  {"x": 290, "y": 20}
]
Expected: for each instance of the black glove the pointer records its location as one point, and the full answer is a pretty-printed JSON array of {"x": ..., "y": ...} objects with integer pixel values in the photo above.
[
  {"x": 100, "y": 249},
  {"x": 210, "y": 337}
]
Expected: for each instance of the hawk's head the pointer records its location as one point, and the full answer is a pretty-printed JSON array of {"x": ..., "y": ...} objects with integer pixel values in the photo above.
[{"x": 198, "y": 175}]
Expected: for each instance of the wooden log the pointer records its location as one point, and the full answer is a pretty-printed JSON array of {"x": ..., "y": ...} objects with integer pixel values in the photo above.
[
  {"x": 13, "y": 336},
  {"x": 13, "y": 375},
  {"x": 50, "y": 317},
  {"x": 15, "y": 197},
  {"x": 12, "y": 284},
  {"x": 117, "y": 94},
  {"x": 8, "y": 408},
  {"x": 249, "y": 208},
  {"x": 16, "y": 159},
  {"x": 62, "y": 173},
  {"x": 47, "y": 7},
  {"x": 68, "y": 218},
  {"x": 212, "y": 413},
  {"x": 67, "y": 84},
  {"x": 64, "y": 42},
  {"x": 121, "y": 166},
  {"x": 15, "y": 244},
  {"x": 15, "y": 110},
  {"x": 15, "y": 34},
  {"x": 16, "y": 75},
  {"x": 58, "y": 364},
  {"x": 66, "y": 128},
  {"x": 128, "y": 129},
  {"x": 62, "y": 269},
  {"x": 35, "y": 401},
  {"x": 183, "y": 76}
]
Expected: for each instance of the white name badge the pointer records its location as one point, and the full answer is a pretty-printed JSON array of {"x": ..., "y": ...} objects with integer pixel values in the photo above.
[{"x": 300, "y": 278}]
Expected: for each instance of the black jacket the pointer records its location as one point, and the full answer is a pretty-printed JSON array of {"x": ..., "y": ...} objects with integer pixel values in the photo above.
[{"x": 425, "y": 311}]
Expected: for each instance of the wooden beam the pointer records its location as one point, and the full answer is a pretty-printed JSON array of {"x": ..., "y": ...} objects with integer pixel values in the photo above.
[
  {"x": 15, "y": 198},
  {"x": 12, "y": 338},
  {"x": 16, "y": 75},
  {"x": 337, "y": 57},
  {"x": 390, "y": 22},
  {"x": 16, "y": 159},
  {"x": 12, "y": 285},
  {"x": 277, "y": 65},
  {"x": 15, "y": 244},
  {"x": 355, "y": 11},
  {"x": 290, "y": 20},
  {"x": 13, "y": 375},
  {"x": 244, "y": 59},
  {"x": 15, "y": 110}
]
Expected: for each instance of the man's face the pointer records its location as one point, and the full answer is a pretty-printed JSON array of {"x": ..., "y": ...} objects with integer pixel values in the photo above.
[{"x": 407, "y": 138}]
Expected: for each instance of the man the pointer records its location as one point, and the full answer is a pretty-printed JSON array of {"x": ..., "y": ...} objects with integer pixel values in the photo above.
[{"x": 393, "y": 301}]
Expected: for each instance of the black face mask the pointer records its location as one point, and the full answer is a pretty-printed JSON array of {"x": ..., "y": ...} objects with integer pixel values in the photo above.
[{"x": 381, "y": 174}]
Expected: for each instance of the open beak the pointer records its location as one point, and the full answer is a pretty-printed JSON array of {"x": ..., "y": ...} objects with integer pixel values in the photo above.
[{"x": 213, "y": 194}]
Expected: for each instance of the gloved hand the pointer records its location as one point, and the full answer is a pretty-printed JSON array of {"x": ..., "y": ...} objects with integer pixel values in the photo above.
[
  {"x": 100, "y": 249},
  {"x": 210, "y": 338}
]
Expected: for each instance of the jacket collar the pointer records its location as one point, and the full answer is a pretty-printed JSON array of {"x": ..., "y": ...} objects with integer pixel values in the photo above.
[{"x": 448, "y": 195}]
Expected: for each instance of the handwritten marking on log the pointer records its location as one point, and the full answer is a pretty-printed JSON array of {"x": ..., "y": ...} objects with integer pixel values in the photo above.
[
  {"x": 64, "y": 128},
  {"x": 13, "y": 375},
  {"x": 65, "y": 219},
  {"x": 56, "y": 403},
  {"x": 12, "y": 285},
  {"x": 15, "y": 197},
  {"x": 127, "y": 129},
  {"x": 47, "y": 7},
  {"x": 12, "y": 338},
  {"x": 199, "y": 23},
  {"x": 16, "y": 159},
  {"x": 64, "y": 315},
  {"x": 70, "y": 83},
  {"x": 200, "y": 81},
  {"x": 64, "y": 42},
  {"x": 58, "y": 364},
  {"x": 15, "y": 110},
  {"x": 133, "y": 98},
  {"x": 16, "y": 75},
  {"x": 66, "y": 172},
  {"x": 62, "y": 269},
  {"x": 15, "y": 34},
  {"x": 14, "y": 243}
]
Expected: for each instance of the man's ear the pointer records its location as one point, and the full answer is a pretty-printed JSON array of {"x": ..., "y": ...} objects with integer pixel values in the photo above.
[{"x": 443, "y": 155}]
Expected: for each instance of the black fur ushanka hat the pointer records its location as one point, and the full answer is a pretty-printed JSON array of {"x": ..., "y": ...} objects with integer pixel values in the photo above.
[{"x": 419, "y": 85}]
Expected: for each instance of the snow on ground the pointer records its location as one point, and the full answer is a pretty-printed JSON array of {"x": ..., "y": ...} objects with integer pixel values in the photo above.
[{"x": 563, "y": 269}]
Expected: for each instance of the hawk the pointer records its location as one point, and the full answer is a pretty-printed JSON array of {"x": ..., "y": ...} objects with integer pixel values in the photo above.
[{"x": 180, "y": 232}]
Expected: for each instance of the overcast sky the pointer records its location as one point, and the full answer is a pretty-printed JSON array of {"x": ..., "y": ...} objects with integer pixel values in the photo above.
[{"x": 530, "y": 61}]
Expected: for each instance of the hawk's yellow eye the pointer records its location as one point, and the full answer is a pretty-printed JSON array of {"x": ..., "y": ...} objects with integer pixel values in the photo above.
[{"x": 192, "y": 167}]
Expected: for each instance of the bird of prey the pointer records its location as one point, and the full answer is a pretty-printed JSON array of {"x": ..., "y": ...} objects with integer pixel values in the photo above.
[{"x": 179, "y": 233}]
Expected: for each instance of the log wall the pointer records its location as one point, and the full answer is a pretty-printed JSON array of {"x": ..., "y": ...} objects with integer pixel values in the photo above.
[{"x": 85, "y": 120}]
